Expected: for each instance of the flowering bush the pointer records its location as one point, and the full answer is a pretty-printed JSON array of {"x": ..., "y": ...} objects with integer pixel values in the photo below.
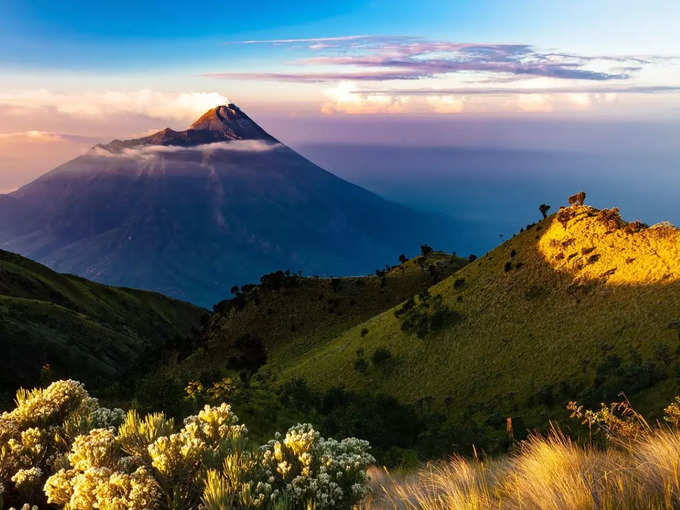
[
  {"x": 36, "y": 435},
  {"x": 305, "y": 467},
  {"x": 59, "y": 447}
]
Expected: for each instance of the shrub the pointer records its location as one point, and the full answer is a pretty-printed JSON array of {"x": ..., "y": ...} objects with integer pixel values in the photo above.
[
  {"x": 635, "y": 226},
  {"x": 59, "y": 440},
  {"x": 611, "y": 218},
  {"x": 564, "y": 216},
  {"x": 35, "y": 435},
  {"x": 360, "y": 365},
  {"x": 380, "y": 355},
  {"x": 425, "y": 250},
  {"x": 429, "y": 315},
  {"x": 310, "y": 469},
  {"x": 578, "y": 198}
]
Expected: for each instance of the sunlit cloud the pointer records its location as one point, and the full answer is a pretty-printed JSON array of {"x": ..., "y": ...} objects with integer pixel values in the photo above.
[
  {"x": 166, "y": 105},
  {"x": 341, "y": 99},
  {"x": 319, "y": 77},
  {"x": 38, "y": 136},
  {"x": 655, "y": 89},
  {"x": 345, "y": 99},
  {"x": 446, "y": 104},
  {"x": 384, "y": 58}
]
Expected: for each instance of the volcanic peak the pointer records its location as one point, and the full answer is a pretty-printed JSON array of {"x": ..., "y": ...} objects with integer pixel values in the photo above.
[{"x": 219, "y": 124}]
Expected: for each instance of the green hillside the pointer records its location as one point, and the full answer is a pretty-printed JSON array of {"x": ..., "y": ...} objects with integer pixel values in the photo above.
[
  {"x": 581, "y": 305},
  {"x": 279, "y": 321},
  {"x": 76, "y": 328}
]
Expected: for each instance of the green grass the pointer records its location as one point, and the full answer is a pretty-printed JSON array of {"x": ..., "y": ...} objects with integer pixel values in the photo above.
[
  {"x": 305, "y": 313},
  {"x": 526, "y": 319},
  {"x": 80, "y": 328}
]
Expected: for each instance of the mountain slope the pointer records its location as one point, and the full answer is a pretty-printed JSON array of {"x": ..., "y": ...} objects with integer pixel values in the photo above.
[
  {"x": 581, "y": 305},
  {"x": 285, "y": 316},
  {"x": 190, "y": 213},
  {"x": 81, "y": 329}
]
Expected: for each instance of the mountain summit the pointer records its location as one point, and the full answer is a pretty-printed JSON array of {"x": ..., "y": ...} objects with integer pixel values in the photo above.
[
  {"x": 232, "y": 123},
  {"x": 191, "y": 213},
  {"x": 220, "y": 124}
]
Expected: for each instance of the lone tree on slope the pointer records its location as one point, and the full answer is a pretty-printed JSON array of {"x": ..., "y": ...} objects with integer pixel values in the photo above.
[{"x": 544, "y": 208}]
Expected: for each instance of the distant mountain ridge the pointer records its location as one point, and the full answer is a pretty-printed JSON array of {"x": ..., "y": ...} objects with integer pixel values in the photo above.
[{"x": 191, "y": 213}]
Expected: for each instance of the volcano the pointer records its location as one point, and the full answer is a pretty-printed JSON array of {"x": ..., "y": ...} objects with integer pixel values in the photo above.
[{"x": 191, "y": 213}]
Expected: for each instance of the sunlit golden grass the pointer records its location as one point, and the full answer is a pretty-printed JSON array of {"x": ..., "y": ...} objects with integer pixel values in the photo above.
[
  {"x": 545, "y": 473},
  {"x": 597, "y": 245}
]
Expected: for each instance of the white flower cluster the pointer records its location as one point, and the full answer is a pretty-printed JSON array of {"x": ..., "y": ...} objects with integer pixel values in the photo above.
[
  {"x": 25, "y": 478},
  {"x": 305, "y": 467},
  {"x": 102, "y": 417}
]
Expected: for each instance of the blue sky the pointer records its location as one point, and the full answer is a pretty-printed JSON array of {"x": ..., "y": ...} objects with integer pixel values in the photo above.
[
  {"x": 155, "y": 34},
  {"x": 76, "y": 72}
]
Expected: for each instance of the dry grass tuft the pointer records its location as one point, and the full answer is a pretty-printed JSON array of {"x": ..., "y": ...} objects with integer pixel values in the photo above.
[{"x": 546, "y": 473}]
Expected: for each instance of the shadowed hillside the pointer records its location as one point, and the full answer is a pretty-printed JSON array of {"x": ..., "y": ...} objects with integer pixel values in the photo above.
[
  {"x": 80, "y": 328},
  {"x": 581, "y": 305}
]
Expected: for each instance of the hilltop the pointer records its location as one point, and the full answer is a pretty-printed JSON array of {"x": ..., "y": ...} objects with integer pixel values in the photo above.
[
  {"x": 582, "y": 305},
  {"x": 79, "y": 328},
  {"x": 286, "y": 316}
]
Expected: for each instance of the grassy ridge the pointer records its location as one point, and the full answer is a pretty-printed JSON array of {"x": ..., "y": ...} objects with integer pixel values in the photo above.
[
  {"x": 288, "y": 316},
  {"x": 80, "y": 328},
  {"x": 578, "y": 305}
]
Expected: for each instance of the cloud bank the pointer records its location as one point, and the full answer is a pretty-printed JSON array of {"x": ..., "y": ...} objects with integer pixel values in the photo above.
[
  {"x": 153, "y": 151},
  {"x": 180, "y": 106},
  {"x": 654, "y": 89}
]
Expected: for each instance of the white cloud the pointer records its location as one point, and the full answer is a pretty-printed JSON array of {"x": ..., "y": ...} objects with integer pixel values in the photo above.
[
  {"x": 343, "y": 99},
  {"x": 446, "y": 104},
  {"x": 152, "y": 151},
  {"x": 181, "y": 106}
]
